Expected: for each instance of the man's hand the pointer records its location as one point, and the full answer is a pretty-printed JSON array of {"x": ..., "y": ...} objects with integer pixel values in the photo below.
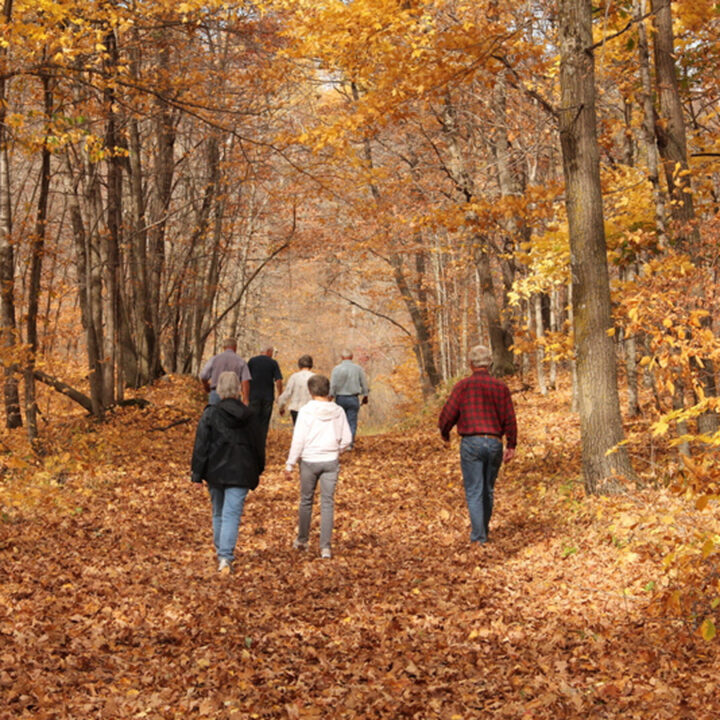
[
  {"x": 288, "y": 474},
  {"x": 282, "y": 411},
  {"x": 509, "y": 454},
  {"x": 364, "y": 400},
  {"x": 446, "y": 440}
]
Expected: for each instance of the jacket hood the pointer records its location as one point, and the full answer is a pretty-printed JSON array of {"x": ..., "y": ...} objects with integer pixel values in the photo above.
[
  {"x": 324, "y": 411},
  {"x": 232, "y": 412}
]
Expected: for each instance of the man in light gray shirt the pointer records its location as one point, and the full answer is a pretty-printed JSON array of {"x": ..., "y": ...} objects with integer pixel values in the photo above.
[
  {"x": 349, "y": 387},
  {"x": 226, "y": 361}
]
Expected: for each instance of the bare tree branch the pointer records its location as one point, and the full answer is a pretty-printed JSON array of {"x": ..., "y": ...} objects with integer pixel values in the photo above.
[{"x": 367, "y": 309}]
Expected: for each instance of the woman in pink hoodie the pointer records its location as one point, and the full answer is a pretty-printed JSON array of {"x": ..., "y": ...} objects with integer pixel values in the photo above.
[{"x": 321, "y": 433}]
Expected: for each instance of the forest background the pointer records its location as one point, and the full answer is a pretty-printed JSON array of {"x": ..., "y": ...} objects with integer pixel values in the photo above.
[{"x": 405, "y": 178}]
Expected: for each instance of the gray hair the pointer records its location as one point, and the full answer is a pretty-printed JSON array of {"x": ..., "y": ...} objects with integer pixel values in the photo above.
[
  {"x": 480, "y": 356},
  {"x": 229, "y": 342},
  {"x": 228, "y": 385},
  {"x": 346, "y": 354}
]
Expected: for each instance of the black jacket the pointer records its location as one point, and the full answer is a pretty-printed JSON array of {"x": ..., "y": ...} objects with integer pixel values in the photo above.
[{"x": 228, "y": 450}]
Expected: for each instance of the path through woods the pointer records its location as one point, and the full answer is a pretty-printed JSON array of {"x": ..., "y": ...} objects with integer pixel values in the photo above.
[{"x": 112, "y": 607}]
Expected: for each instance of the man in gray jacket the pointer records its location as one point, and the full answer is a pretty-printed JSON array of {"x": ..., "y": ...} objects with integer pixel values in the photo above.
[{"x": 349, "y": 387}]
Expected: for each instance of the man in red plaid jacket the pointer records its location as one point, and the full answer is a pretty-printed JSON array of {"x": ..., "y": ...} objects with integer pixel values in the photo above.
[{"x": 482, "y": 409}]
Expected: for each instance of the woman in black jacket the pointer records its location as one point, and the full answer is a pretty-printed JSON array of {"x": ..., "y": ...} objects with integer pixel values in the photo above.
[{"x": 229, "y": 454}]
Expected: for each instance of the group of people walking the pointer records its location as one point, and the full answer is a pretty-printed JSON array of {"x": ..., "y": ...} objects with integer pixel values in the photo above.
[{"x": 229, "y": 450}]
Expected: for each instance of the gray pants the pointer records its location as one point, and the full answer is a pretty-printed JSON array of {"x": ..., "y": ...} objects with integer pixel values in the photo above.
[{"x": 326, "y": 473}]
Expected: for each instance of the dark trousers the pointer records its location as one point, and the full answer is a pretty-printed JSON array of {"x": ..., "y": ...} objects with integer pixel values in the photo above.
[{"x": 263, "y": 411}]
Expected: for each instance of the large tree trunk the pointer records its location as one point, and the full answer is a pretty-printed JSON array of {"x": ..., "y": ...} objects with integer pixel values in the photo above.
[
  {"x": 672, "y": 142},
  {"x": 599, "y": 402}
]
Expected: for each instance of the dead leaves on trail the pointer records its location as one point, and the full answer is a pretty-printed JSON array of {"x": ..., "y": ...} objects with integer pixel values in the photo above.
[{"x": 112, "y": 608}]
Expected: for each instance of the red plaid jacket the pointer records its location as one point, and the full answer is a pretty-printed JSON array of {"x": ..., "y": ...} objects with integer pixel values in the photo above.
[{"x": 480, "y": 405}]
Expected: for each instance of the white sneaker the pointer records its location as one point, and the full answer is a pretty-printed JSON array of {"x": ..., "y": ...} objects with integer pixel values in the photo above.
[
  {"x": 325, "y": 553},
  {"x": 299, "y": 545},
  {"x": 225, "y": 567}
]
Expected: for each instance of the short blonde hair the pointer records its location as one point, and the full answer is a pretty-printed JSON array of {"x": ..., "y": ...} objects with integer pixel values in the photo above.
[
  {"x": 480, "y": 356},
  {"x": 228, "y": 385}
]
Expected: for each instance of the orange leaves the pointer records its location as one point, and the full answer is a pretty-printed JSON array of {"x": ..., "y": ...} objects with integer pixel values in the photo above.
[{"x": 119, "y": 611}]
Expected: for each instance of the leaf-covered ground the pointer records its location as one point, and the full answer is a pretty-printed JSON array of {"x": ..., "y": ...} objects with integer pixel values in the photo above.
[{"x": 112, "y": 607}]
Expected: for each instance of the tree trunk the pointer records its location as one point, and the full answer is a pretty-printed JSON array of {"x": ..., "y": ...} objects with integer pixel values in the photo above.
[
  {"x": 37, "y": 248},
  {"x": 555, "y": 313},
  {"x": 423, "y": 348},
  {"x": 8, "y": 326},
  {"x": 630, "y": 352},
  {"x": 600, "y": 420},
  {"x": 423, "y": 345},
  {"x": 113, "y": 384},
  {"x": 87, "y": 262},
  {"x": 649, "y": 121},
  {"x": 65, "y": 389},
  {"x": 511, "y": 185},
  {"x": 503, "y": 361},
  {"x": 164, "y": 171},
  {"x": 672, "y": 143},
  {"x": 536, "y": 304},
  {"x": 137, "y": 352},
  {"x": 670, "y": 125},
  {"x": 498, "y": 331}
]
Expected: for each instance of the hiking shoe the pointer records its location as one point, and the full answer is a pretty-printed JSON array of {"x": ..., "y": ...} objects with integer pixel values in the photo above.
[
  {"x": 225, "y": 567},
  {"x": 299, "y": 545},
  {"x": 325, "y": 553}
]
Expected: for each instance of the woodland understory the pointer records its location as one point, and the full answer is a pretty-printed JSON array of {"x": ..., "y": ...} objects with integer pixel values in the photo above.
[
  {"x": 406, "y": 178},
  {"x": 581, "y": 607}
]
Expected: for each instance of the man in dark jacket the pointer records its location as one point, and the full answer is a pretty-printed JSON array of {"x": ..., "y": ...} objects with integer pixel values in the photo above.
[{"x": 229, "y": 455}]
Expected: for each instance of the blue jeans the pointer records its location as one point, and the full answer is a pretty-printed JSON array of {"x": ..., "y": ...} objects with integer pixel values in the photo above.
[
  {"x": 351, "y": 405},
  {"x": 480, "y": 459},
  {"x": 213, "y": 398},
  {"x": 227, "y": 509}
]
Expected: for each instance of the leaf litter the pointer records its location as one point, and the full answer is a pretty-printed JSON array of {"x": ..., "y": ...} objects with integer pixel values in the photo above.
[{"x": 112, "y": 607}]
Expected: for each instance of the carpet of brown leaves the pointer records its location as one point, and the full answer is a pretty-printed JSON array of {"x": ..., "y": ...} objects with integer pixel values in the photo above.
[{"x": 111, "y": 606}]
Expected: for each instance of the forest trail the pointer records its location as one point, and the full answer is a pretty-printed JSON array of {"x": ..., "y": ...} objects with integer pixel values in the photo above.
[{"x": 112, "y": 607}]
